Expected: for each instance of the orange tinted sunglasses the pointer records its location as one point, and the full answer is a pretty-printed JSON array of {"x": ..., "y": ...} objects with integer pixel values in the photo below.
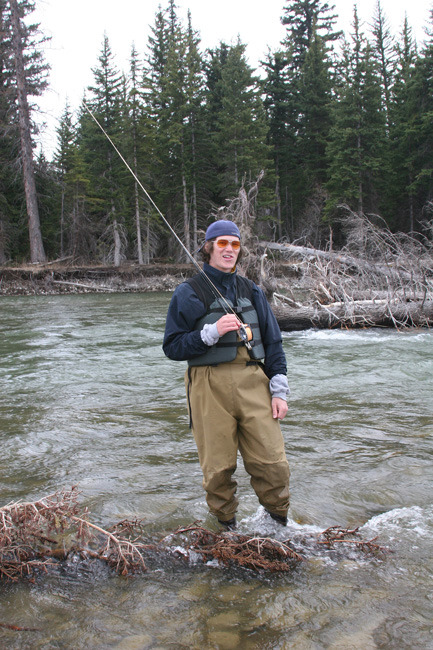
[{"x": 223, "y": 243}]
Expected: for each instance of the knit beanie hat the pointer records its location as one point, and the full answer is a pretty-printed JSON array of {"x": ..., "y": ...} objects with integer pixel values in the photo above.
[{"x": 221, "y": 228}]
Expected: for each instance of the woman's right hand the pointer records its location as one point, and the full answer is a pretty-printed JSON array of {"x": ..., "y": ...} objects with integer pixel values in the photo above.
[{"x": 227, "y": 323}]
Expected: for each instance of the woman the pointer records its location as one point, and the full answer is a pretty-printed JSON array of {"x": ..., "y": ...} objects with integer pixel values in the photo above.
[{"x": 222, "y": 324}]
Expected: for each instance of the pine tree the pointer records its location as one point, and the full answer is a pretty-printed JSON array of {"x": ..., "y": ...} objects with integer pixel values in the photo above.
[
  {"x": 277, "y": 102},
  {"x": 238, "y": 119},
  {"x": 106, "y": 169},
  {"x": 420, "y": 101},
  {"x": 64, "y": 165},
  {"x": 356, "y": 164},
  {"x": 403, "y": 127},
  {"x": 384, "y": 53},
  {"x": 30, "y": 79}
]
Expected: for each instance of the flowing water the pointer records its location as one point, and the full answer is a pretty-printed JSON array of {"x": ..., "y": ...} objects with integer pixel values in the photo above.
[{"x": 87, "y": 398}]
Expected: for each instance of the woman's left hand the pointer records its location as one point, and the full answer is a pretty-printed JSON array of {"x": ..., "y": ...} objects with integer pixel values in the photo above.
[{"x": 279, "y": 408}]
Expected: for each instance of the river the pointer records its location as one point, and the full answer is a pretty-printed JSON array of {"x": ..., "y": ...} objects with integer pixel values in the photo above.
[{"x": 87, "y": 398}]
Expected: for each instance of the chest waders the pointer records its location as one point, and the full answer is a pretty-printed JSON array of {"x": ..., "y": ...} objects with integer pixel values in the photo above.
[{"x": 230, "y": 410}]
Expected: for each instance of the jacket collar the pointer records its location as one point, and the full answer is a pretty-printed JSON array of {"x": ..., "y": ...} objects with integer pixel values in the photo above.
[{"x": 224, "y": 279}]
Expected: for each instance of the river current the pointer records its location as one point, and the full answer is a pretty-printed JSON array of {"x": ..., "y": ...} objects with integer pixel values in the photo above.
[{"x": 88, "y": 398}]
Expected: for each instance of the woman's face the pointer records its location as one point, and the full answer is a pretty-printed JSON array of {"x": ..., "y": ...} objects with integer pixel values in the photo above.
[{"x": 224, "y": 257}]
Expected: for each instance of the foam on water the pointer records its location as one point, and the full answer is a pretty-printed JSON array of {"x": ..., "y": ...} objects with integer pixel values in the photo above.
[
  {"x": 414, "y": 522},
  {"x": 260, "y": 523},
  {"x": 363, "y": 336}
]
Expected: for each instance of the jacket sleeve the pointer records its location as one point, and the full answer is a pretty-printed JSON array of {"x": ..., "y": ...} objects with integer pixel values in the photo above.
[
  {"x": 181, "y": 340},
  {"x": 275, "y": 359}
]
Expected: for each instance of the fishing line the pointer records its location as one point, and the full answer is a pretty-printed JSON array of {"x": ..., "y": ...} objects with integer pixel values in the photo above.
[{"x": 217, "y": 293}]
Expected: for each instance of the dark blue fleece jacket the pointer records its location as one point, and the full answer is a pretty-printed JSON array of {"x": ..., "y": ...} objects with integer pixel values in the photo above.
[{"x": 183, "y": 342}]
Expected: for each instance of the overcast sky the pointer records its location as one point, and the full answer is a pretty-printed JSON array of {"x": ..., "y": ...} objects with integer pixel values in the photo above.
[{"x": 77, "y": 29}]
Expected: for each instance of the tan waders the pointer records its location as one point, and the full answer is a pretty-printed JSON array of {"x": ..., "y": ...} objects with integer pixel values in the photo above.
[{"x": 230, "y": 409}]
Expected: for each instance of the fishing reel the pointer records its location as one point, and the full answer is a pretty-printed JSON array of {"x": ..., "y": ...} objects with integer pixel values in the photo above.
[{"x": 246, "y": 335}]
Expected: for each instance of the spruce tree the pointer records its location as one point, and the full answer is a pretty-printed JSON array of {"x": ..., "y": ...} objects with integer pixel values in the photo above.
[
  {"x": 310, "y": 62},
  {"x": 277, "y": 102},
  {"x": 315, "y": 116},
  {"x": 384, "y": 53},
  {"x": 131, "y": 140},
  {"x": 420, "y": 101},
  {"x": 356, "y": 163},
  {"x": 63, "y": 161},
  {"x": 195, "y": 140},
  {"x": 8, "y": 137},
  {"x": 165, "y": 108},
  {"x": 402, "y": 133},
  {"x": 29, "y": 80},
  {"x": 173, "y": 97},
  {"x": 238, "y": 119},
  {"x": 107, "y": 171},
  {"x": 304, "y": 19}
]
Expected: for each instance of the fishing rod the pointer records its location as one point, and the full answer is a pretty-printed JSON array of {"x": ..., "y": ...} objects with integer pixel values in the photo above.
[{"x": 244, "y": 334}]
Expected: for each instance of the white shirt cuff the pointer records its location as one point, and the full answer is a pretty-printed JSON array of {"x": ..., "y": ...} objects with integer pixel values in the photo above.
[
  {"x": 279, "y": 386},
  {"x": 209, "y": 334}
]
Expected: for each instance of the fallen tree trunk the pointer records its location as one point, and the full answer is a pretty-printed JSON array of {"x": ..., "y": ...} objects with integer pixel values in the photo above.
[
  {"x": 354, "y": 314},
  {"x": 379, "y": 279}
]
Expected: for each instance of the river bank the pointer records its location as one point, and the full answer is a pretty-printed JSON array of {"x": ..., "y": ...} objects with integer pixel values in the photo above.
[
  {"x": 57, "y": 279},
  {"x": 302, "y": 299}
]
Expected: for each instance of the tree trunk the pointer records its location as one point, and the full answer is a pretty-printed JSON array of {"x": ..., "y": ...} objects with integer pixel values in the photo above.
[
  {"x": 194, "y": 187},
  {"x": 360, "y": 188},
  {"x": 117, "y": 240},
  {"x": 278, "y": 197},
  {"x": 186, "y": 226},
  {"x": 138, "y": 224},
  {"x": 2, "y": 242},
  {"x": 62, "y": 222},
  {"x": 137, "y": 202},
  {"x": 147, "y": 254},
  {"x": 366, "y": 313},
  {"x": 37, "y": 253}
]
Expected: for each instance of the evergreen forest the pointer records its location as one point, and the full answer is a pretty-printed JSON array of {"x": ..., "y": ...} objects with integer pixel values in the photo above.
[{"x": 334, "y": 120}]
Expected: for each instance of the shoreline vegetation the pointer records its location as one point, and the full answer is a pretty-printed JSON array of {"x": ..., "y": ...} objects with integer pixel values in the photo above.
[
  {"x": 378, "y": 279},
  {"x": 308, "y": 289}
]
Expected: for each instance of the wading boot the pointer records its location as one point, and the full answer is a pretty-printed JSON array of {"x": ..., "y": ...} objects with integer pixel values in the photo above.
[
  {"x": 228, "y": 525},
  {"x": 280, "y": 518}
]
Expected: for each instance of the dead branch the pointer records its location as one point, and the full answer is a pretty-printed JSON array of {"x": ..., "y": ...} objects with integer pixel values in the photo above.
[
  {"x": 120, "y": 553},
  {"x": 242, "y": 211},
  {"x": 378, "y": 279},
  {"x": 17, "y": 628},
  {"x": 35, "y": 536},
  {"x": 338, "y": 535},
  {"x": 233, "y": 549},
  {"x": 83, "y": 286}
]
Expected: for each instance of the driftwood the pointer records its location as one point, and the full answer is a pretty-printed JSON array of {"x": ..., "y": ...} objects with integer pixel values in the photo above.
[
  {"x": 379, "y": 279},
  {"x": 241, "y": 210},
  {"x": 363, "y": 313},
  {"x": 36, "y": 536},
  {"x": 234, "y": 549},
  {"x": 83, "y": 286}
]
